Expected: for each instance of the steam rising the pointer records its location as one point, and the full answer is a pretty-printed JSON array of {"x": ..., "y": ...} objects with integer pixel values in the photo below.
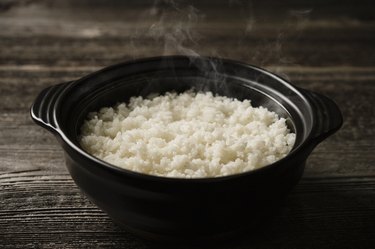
[
  {"x": 173, "y": 27},
  {"x": 176, "y": 30},
  {"x": 176, "y": 27}
]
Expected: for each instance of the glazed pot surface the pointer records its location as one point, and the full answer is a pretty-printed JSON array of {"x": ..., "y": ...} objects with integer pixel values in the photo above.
[{"x": 179, "y": 209}]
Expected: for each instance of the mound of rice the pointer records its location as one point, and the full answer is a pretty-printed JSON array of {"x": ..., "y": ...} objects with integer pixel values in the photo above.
[{"x": 188, "y": 135}]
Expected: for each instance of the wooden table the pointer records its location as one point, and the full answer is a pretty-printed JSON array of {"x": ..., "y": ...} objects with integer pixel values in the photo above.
[{"x": 326, "y": 47}]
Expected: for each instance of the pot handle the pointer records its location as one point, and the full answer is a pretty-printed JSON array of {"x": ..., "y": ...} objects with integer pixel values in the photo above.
[
  {"x": 328, "y": 115},
  {"x": 42, "y": 109}
]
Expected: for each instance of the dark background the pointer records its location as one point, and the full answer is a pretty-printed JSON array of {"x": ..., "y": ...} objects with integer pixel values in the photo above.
[{"x": 325, "y": 46}]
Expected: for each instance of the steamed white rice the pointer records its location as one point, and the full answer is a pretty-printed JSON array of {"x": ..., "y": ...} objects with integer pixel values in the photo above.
[{"x": 188, "y": 135}]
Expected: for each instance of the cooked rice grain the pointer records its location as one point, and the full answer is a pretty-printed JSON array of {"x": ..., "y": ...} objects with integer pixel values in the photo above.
[{"x": 188, "y": 135}]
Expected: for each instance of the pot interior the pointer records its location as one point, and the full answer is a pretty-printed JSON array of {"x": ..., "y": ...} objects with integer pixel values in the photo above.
[{"x": 109, "y": 87}]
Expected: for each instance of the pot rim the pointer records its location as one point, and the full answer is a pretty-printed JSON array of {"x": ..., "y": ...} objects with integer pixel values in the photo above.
[{"x": 307, "y": 143}]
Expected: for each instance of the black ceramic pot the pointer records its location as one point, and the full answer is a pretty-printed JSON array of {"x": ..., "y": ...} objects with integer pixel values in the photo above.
[{"x": 185, "y": 209}]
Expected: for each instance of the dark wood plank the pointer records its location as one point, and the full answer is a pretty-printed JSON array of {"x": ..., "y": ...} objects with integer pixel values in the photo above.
[
  {"x": 322, "y": 46},
  {"x": 88, "y": 34},
  {"x": 311, "y": 49},
  {"x": 49, "y": 211}
]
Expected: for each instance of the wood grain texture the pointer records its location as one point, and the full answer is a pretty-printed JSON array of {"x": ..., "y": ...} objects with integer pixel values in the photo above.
[
  {"x": 261, "y": 48},
  {"x": 322, "y": 46},
  {"x": 49, "y": 211}
]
